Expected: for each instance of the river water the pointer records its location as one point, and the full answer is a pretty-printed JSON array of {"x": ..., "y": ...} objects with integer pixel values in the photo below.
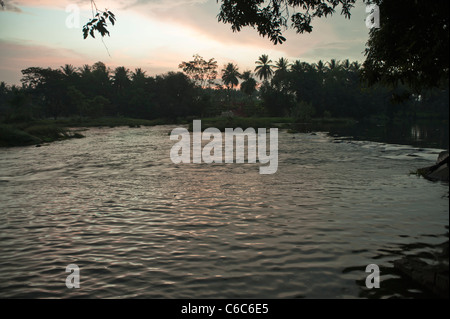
[{"x": 139, "y": 226}]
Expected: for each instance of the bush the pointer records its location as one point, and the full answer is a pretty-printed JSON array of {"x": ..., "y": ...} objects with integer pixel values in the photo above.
[
  {"x": 46, "y": 132},
  {"x": 302, "y": 112},
  {"x": 10, "y": 136},
  {"x": 326, "y": 114}
]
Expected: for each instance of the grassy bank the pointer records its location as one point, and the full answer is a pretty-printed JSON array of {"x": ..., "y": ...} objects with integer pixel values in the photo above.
[
  {"x": 32, "y": 134},
  {"x": 102, "y": 122},
  {"x": 48, "y": 130}
]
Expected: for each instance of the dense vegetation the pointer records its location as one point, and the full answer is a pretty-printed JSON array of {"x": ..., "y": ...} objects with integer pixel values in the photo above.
[
  {"x": 299, "y": 90},
  {"x": 410, "y": 45}
]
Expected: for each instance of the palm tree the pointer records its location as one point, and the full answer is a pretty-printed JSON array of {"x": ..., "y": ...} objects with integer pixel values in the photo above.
[
  {"x": 230, "y": 75},
  {"x": 69, "y": 70},
  {"x": 281, "y": 74},
  {"x": 85, "y": 70},
  {"x": 264, "y": 68},
  {"x": 320, "y": 67},
  {"x": 345, "y": 65},
  {"x": 299, "y": 66},
  {"x": 282, "y": 66},
  {"x": 121, "y": 78},
  {"x": 138, "y": 77},
  {"x": 333, "y": 65},
  {"x": 248, "y": 85},
  {"x": 138, "y": 74},
  {"x": 355, "y": 66}
]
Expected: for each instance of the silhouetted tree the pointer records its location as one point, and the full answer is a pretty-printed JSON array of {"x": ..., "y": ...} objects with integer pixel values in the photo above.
[
  {"x": 264, "y": 69},
  {"x": 411, "y": 46},
  {"x": 303, "y": 90},
  {"x": 230, "y": 75},
  {"x": 202, "y": 72},
  {"x": 281, "y": 74},
  {"x": 248, "y": 85},
  {"x": 99, "y": 22},
  {"x": 270, "y": 17}
]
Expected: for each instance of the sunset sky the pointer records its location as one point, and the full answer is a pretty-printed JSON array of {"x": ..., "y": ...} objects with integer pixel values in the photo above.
[{"x": 157, "y": 35}]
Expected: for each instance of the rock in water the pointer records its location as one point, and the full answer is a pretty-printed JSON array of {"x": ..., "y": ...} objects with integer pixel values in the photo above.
[
  {"x": 438, "y": 172},
  {"x": 442, "y": 156},
  {"x": 434, "y": 278}
]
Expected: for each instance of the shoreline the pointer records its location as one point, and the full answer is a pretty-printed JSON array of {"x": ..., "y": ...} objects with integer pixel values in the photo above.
[{"x": 36, "y": 132}]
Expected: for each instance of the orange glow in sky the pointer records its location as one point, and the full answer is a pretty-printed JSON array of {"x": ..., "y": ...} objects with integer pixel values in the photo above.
[{"x": 157, "y": 35}]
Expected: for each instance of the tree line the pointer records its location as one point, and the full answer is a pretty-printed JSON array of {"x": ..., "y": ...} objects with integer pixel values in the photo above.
[{"x": 296, "y": 89}]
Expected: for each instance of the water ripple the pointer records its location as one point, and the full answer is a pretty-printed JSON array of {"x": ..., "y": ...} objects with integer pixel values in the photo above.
[{"x": 139, "y": 226}]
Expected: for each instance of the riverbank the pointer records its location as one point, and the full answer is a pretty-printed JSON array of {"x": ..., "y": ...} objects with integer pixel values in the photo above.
[
  {"x": 12, "y": 135},
  {"x": 48, "y": 130},
  {"x": 37, "y": 132},
  {"x": 422, "y": 133}
]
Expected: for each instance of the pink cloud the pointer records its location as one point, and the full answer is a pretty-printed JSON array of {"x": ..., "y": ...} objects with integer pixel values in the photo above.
[
  {"x": 15, "y": 56},
  {"x": 18, "y": 56},
  {"x": 347, "y": 36},
  {"x": 36, "y": 3}
]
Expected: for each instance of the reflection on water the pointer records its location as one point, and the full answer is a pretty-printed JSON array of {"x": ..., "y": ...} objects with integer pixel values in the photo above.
[
  {"x": 138, "y": 225},
  {"x": 432, "y": 134}
]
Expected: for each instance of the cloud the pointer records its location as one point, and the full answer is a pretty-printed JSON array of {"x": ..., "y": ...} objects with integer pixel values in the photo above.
[
  {"x": 121, "y": 4},
  {"x": 202, "y": 20},
  {"x": 163, "y": 4},
  {"x": 10, "y": 6},
  {"x": 19, "y": 55},
  {"x": 157, "y": 35}
]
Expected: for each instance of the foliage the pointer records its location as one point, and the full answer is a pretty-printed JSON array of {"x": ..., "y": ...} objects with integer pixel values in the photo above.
[
  {"x": 202, "y": 72},
  {"x": 302, "y": 112},
  {"x": 411, "y": 46},
  {"x": 270, "y": 18},
  {"x": 230, "y": 75},
  {"x": 10, "y": 136},
  {"x": 99, "y": 22},
  {"x": 47, "y": 132},
  {"x": 264, "y": 69},
  {"x": 301, "y": 90},
  {"x": 248, "y": 85}
]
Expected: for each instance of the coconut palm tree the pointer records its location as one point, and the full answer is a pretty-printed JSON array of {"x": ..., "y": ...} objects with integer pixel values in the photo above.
[
  {"x": 282, "y": 66},
  {"x": 121, "y": 78},
  {"x": 85, "y": 70},
  {"x": 230, "y": 75},
  {"x": 320, "y": 66},
  {"x": 345, "y": 65},
  {"x": 299, "y": 66},
  {"x": 248, "y": 85},
  {"x": 138, "y": 77},
  {"x": 280, "y": 77},
  {"x": 138, "y": 74},
  {"x": 69, "y": 70},
  {"x": 333, "y": 65},
  {"x": 355, "y": 66},
  {"x": 264, "y": 69}
]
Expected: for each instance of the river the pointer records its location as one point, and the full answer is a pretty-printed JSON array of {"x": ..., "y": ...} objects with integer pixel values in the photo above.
[{"x": 139, "y": 226}]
